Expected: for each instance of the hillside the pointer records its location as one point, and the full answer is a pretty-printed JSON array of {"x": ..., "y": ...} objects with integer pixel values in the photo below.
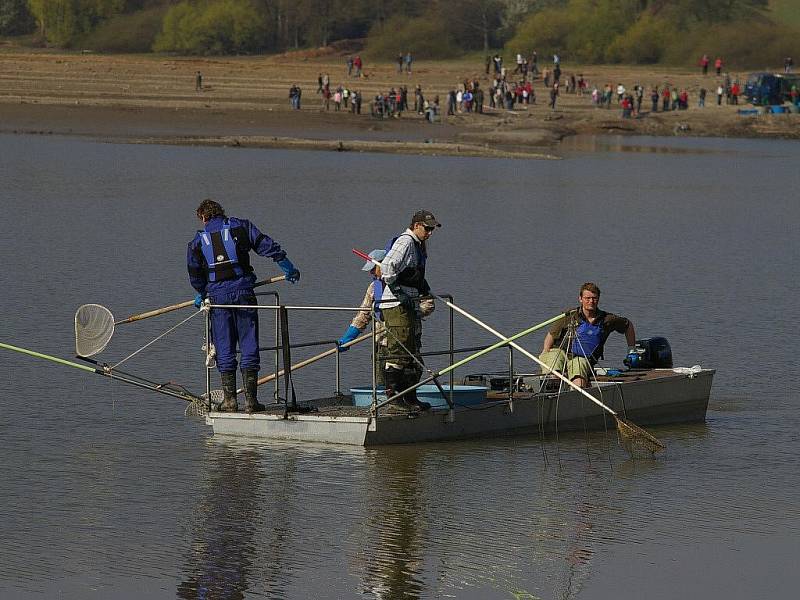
[{"x": 786, "y": 11}]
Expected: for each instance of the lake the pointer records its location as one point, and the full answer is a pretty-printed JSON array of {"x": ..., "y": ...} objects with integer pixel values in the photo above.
[{"x": 110, "y": 491}]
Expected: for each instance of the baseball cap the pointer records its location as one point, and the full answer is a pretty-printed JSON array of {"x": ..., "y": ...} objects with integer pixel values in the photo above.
[
  {"x": 378, "y": 255},
  {"x": 426, "y": 218}
]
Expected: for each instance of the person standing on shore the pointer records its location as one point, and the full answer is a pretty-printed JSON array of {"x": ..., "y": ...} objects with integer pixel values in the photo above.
[
  {"x": 409, "y": 59},
  {"x": 403, "y": 271},
  {"x": 718, "y": 65},
  {"x": 553, "y": 95},
  {"x": 704, "y": 63},
  {"x": 788, "y": 64},
  {"x": 720, "y": 92},
  {"x": 701, "y": 98},
  {"x": 198, "y": 82},
  {"x": 218, "y": 261},
  {"x": 654, "y": 98}
]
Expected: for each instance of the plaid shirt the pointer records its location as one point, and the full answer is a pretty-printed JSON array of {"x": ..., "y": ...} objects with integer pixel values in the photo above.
[{"x": 402, "y": 255}]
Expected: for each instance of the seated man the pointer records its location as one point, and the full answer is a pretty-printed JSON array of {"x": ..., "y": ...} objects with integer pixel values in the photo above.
[{"x": 575, "y": 343}]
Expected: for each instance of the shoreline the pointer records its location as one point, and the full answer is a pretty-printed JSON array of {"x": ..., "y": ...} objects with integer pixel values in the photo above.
[{"x": 151, "y": 99}]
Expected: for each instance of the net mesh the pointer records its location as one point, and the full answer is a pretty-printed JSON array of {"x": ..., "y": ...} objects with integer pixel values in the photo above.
[
  {"x": 94, "y": 326},
  {"x": 636, "y": 441},
  {"x": 200, "y": 407}
]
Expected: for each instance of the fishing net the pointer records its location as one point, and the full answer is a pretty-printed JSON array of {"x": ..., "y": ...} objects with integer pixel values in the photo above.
[
  {"x": 94, "y": 326},
  {"x": 206, "y": 402},
  {"x": 636, "y": 441}
]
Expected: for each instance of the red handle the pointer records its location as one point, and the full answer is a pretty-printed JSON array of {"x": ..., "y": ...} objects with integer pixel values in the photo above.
[{"x": 366, "y": 257}]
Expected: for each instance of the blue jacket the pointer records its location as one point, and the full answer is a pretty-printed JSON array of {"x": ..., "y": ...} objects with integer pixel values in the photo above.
[{"x": 247, "y": 237}]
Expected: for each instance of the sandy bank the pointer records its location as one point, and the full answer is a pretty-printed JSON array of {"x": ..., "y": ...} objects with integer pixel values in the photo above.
[{"x": 244, "y": 102}]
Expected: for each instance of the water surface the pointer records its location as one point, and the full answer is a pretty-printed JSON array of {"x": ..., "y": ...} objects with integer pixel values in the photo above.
[{"x": 109, "y": 491}]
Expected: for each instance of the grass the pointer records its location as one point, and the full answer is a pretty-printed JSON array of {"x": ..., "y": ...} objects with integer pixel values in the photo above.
[{"x": 785, "y": 11}]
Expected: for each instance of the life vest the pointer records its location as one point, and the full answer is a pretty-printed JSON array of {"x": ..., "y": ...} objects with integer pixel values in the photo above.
[
  {"x": 219, "y": 250},
  {"x": 412, "y": 276},
  {"x": 588, "y": 338},
  {"x": 377, "y": 294}
]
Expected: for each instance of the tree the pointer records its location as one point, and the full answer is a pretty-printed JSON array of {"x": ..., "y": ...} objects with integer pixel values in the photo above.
[{"x": 15, "y": 18}]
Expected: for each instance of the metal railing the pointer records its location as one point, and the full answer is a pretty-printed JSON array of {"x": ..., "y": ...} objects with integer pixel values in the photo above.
[{"x": 377, "y": 356}]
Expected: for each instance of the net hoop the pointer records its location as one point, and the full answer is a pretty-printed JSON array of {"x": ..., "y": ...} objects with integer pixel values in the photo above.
[{"x": 94, "y": 327}]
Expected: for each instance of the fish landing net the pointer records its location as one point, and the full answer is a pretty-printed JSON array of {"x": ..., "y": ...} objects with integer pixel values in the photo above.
[
  {"x": 200, "y": 407},
  {"x": 94, "y": 326},
  {"x": 636, "y": 441}
]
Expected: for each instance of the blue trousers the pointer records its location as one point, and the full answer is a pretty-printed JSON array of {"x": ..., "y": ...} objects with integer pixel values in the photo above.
[{"x": 232, "y": 326}]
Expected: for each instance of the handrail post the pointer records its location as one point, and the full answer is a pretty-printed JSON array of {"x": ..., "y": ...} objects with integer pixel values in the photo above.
[
  {"x": 276, "y": 391},
  {"x": 277, "y": 297},
  {"x": 511, "y": 378},
  {"x": 374, "y": 407},
  {"x": 208, "y": 361},
  {"x": 337, "y": 370}
]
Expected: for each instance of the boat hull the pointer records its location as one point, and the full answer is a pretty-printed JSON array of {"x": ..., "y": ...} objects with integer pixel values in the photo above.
[{"x": 656, "y": 399}]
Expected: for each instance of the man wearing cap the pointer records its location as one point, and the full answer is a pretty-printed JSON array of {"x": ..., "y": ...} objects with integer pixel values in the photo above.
[
  {"x": 403, "y": 270},
  {"x": 218, "y": 261},
  {"x": 371, "y": 305}
]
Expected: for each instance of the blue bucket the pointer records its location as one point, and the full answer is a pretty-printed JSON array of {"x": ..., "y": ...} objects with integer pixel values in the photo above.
[{"x": 463, "y": 395}]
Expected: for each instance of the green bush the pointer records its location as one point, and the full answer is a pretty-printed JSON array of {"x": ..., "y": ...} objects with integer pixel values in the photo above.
[
  {"x": 546, "y": 32},
  {"x": 64, "y": 21},
  {"x": 426, "y": 37},
  {"x": 644, "y": 43},
  {"x": 216, "y": 27},
  {"x": 743, "y": 45},
  {"x": 129, "y": 33}
]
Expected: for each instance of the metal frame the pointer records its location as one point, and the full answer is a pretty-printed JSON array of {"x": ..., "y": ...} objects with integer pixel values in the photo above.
[{"x": 451, "y": 351}]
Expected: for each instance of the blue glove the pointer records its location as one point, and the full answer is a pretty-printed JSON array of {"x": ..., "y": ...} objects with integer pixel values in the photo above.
[
  {"x": 349, "y": 335},
  {"x": 198, "y": 300},
  {"x": 291, "y": 272}
]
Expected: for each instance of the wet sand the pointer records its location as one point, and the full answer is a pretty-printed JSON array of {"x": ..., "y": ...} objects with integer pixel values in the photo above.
[{"x": 244, "y": 102}]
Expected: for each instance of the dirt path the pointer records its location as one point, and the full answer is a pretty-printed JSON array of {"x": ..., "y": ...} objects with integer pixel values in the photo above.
[{"x": 244, "y": 101}]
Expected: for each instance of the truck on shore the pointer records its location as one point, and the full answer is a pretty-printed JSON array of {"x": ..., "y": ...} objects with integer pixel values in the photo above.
[{"x": 768, "y": 89}]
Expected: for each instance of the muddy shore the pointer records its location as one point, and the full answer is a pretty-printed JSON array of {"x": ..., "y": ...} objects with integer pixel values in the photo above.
[{"x": 244, "y": 102}]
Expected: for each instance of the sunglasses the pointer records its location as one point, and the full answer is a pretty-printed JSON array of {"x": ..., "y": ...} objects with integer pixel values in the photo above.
[{"x": 429, "y": 228}]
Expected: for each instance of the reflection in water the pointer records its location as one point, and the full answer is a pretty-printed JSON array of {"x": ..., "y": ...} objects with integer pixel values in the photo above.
[
  {"x": 393, "y": 569},
  {"x": 225, "y": 560},
  {"x": 220, "y": 560}
]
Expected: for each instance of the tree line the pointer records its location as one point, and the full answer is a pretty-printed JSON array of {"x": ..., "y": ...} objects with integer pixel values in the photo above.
[{"x": 580, "y": 30}]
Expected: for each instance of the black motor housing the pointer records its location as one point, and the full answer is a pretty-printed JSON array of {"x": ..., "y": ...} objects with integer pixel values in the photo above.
[{"x": 657, "y": 353}]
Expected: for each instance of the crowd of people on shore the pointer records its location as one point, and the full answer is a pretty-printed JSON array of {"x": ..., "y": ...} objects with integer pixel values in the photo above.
[{"x": 511, "y": 89}]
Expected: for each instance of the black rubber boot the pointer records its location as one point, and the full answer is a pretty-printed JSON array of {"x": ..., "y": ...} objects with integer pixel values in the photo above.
[
  {"x": 411, "y": 397},
  {"x": 252, "y": 405},
  {"x": 395, "y": 380},
  {"x": 229, "y": 403}
]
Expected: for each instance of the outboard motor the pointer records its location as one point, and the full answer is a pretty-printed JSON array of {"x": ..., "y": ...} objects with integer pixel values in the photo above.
[{"x": 651, "y": 353}]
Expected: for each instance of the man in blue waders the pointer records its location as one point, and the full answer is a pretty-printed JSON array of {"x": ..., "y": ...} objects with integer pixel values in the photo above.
[
  {"x": 218, "y": 261},
  {"x": 584, "y": 330},
  {"x": 404, "y": 277}
]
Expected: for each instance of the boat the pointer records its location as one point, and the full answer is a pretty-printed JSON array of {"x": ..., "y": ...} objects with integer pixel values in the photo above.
[{"x": 481, "y": 405}]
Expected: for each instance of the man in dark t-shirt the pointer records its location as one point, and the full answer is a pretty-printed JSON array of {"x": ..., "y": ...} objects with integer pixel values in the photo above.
[{"x": 575, "y": 342}]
